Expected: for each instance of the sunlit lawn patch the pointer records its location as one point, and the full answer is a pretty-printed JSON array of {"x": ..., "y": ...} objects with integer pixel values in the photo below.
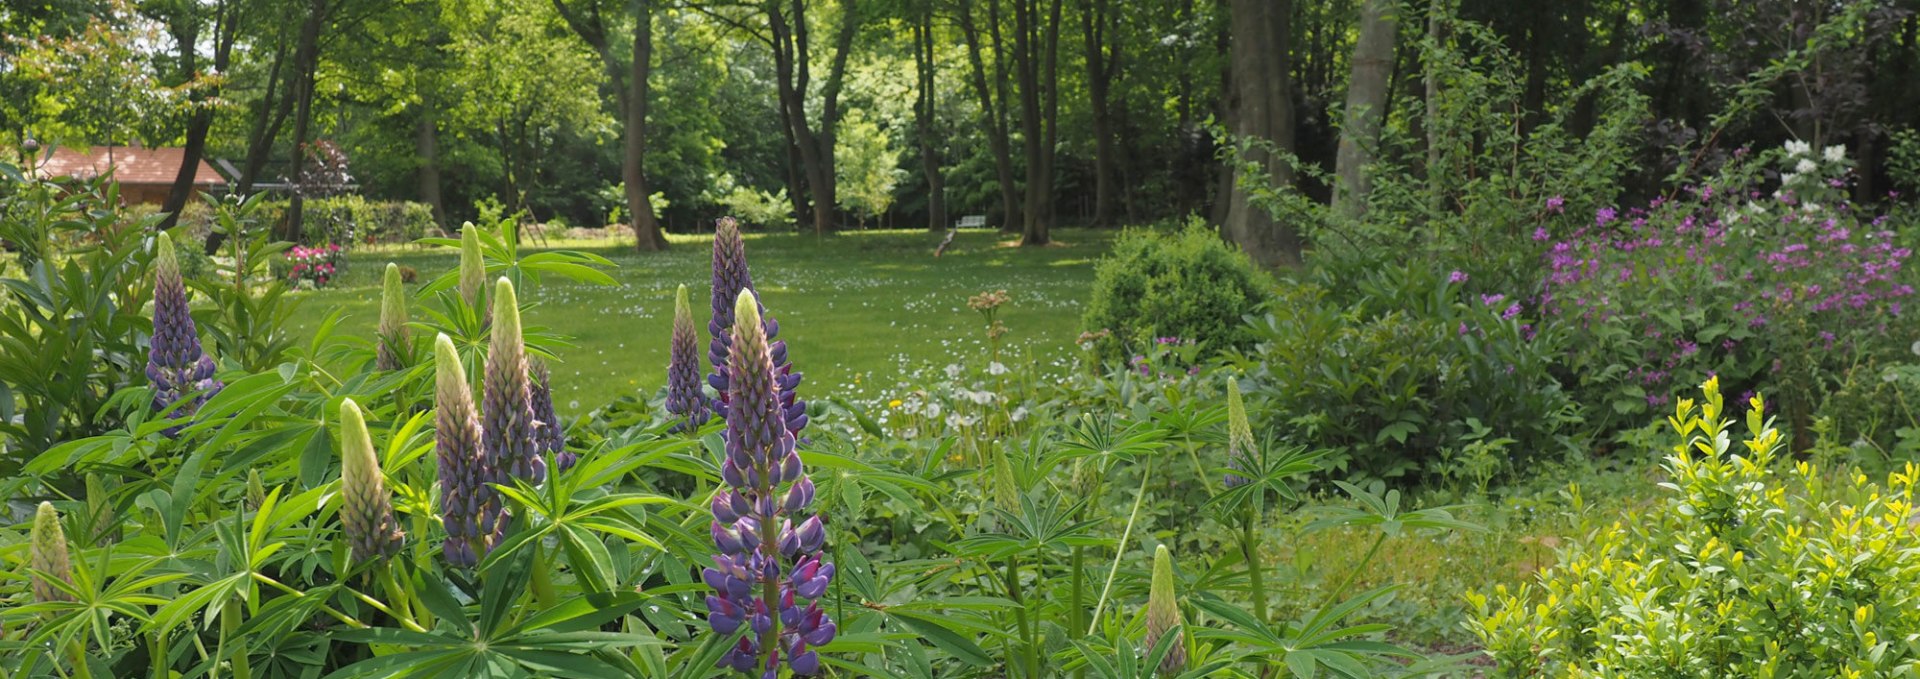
[{"x": 860, "y": 310}]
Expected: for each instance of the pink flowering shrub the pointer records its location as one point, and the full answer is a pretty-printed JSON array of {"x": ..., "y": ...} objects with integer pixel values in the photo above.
[
  {"x": 313, "y": 267},
  {"x": 1783, "y": 291}
]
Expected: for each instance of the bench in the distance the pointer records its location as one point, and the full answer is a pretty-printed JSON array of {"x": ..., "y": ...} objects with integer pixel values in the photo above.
[{"x": 971, "y": 222}]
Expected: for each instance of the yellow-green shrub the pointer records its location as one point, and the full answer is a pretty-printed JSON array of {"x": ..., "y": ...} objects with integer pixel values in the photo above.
[{"x": 1754, "y": 567}]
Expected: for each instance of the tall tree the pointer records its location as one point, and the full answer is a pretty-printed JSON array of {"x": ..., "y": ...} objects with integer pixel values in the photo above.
[
  {"x": 1098, "y": 21},
  {"x": 306, "y": 67},
  {"x": 1036, "y": 51},
  {"x": 789, "y": 26},
  {"x": 1369, "y": 72},
  {"x": 1260, "y": 106},
  {"x": 184, "y": 21},
  {"x": 628, "y": 80},
  {"x": 926, "y": 126},
  {"x": 993, "y": 103}
]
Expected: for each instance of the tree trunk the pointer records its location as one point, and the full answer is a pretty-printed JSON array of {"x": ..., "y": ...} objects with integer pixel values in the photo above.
[
  {"x": 993, "y": 120},
  {"x": 1102, "y": 59},
  {"x": 1035, "y": 47},
  {"x": 202, "y": 120},
  {"x": 647, "y": 235},
  {"x": 925, "y": 111},
  {"x": 1372, "y": 65},
  {"x": 306, "y": 67},
  {"x": 426, "y": 144},
  {"x": 1262, "y": 109}
]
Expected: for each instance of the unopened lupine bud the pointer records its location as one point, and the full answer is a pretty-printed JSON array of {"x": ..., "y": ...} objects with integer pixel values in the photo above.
[
  {"x": 470, "y": 510},
  {"x": 176, "y": 365},
  {"x": 393, "y": 346},
  {"x": 366, "y": 514},
  {"x": 1240, "y": 449},
  {"x": 49, "y": 555},
  {"x": 256, "y": 489},
  {"x": 684, "y": 397},
  {"x": 1163, "y": 614},
  {"x": 731, "y": 277},
  {"x": 769, "y": 573},
  {"x": 473, "y": 267},
  {"x": 507, "y": 421},
  {"x": 551, "y": 437}
]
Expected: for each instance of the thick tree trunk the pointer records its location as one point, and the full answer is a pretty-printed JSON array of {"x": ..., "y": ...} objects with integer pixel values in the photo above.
[
  {"x": 1372, "y": 66},
  {"x": 925, "y": 110},
  {"x": 993, "y": 108},
  {"x": 1035, "y": 45},
  {"x": 306, "y": 69},
  {"x": 1102, "y": 60},
  {"x": 1262, "y": 109},
  {"x": 647, "y": 235},
  {"x": 426, "y": 144},
  {"x": 202, "y": 120}
]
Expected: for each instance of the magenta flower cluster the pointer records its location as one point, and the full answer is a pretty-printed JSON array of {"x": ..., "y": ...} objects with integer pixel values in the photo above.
[{"x": 316, "y": 265}]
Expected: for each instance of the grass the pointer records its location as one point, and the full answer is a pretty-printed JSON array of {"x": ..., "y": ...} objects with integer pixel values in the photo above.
[{"x": 861, "y": 311}]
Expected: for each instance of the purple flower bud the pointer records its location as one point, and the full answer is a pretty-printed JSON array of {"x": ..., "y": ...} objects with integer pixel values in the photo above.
[
  {"x": 731, "y": 277},
  {"x": 684, "y": 397},
  {"x": 550, "y": 437},
  {"x": 508, "y": 425},
  {"x": 470, "y": 509}
]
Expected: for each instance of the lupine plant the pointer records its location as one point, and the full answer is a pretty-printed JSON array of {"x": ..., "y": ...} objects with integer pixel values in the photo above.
[
  {"x": 731, "y": 277},
  {"x": 393, "y": 344},
  {"x": 182, "y": 374},
  {"x": 684, "y": 397},
  {"x": 769, "y": 573}
]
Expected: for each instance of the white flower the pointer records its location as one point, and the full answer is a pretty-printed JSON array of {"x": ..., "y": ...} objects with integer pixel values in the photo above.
[
  {"x": 1835, "y": 153},
  {"x": 1798, "y": 148},
  {"x": 933, "y": 410},
  {"x": 996, "y": 368},
  {"x": 1019, "y": 414},
  {"x": 1811, "y": 207},
  {"x": 957, "y": 421},
  {"x": 1786, "y": 179},
  {"x": 1805, "y": 166},
  {"x": 953, "y": 371}
]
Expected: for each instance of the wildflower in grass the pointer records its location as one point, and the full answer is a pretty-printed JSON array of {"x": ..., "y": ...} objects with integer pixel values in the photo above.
[
  {"x": 551, "y": 436},
  {"x": 470, "y": 509},
  {"x": 1240, "y": 450},
  {"x": 684, "y": 397},
  {"x": 508, "y": 426},
  {"x": 730, "y": 278},
  {"x": 176, "y": 365},
  {"x": 392, "y": 345},
  {"x": 48, "y": 554},
  {"x": 1163, "y": 614},
  {"x": 763, "y": 575},
  {"x": 366, "y": 513},
  {"x": 1556, "y": 204},
  {"x": 1457, "y": 277}
]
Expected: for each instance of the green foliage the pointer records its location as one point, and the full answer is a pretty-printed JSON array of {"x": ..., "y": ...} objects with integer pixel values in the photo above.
[
  {"x": 1747, "y": 569},
  {"x": 1417, "y": 379},
  {"x": 1188, "y": 285},
  {"x": 72, "y": 322}
]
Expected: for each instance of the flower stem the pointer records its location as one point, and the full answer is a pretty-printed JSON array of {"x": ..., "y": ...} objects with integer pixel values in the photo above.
[
  {"x": 1120, "y": 550},
  {"x": 1250, "y": 547},
  {"x": 1334, "y": 594}
]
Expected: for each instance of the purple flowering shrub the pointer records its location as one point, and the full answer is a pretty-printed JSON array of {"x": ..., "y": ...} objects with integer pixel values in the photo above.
[{"x": 1783, "y": 290}]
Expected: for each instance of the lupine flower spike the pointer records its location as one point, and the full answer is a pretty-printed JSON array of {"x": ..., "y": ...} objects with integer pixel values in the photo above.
[
  {"x": 394, "y": 346},
  {"x": 551, "y": 436},
  {"x": 509, "y": 429},
  {"x": 470, "y": 509},
  {"x": 762, "y": 576},
  {"x": 367, "y": 515},
  {"x": 1240, "y": 448},
  {"x": 48, "y": 554},
  {"x": 176, "y": 365},
  {"x": 730, "y": 278},
  {"x": 684, "y": 397},
  {"x": 1163, "y": 614},
  {"x": 473, "y": 268}
]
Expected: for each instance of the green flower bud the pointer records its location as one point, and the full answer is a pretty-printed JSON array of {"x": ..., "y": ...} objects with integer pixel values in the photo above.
[
  {"x": 48, "y": 555},
  {"x": 1163, "y": 614}
]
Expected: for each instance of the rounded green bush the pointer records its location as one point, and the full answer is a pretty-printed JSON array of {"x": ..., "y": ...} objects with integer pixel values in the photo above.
[{"x": 1188, "y": 284}]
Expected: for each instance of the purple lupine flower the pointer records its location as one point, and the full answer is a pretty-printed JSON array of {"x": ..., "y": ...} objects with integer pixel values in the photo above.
[
  {"x": 176, "y": 365},
  {"x": 509, "y": 429},
  {"x": 1556, "y": 204},
  {"x": 1512, "y": 312},
  {"x": 762, "y": 574},
  {"x": 551, "y": 437},
  {"x": 470, "y": 509},
  {"x": 730, "y": 278},
  {"x": 366, "y": 512},
  {"x": 1457, "y": 277},
  {"x": 683, "y": 368}
]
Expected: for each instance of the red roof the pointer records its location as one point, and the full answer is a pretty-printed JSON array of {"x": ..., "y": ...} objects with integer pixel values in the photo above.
[{"x": 132, "y": 165}]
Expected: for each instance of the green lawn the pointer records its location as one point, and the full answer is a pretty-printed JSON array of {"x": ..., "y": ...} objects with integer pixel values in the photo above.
[{"x": 861, "y": 311}]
